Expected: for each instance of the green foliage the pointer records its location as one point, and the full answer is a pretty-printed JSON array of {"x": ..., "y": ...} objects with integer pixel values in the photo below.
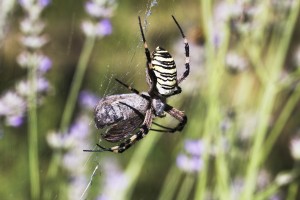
[{"x": 241, "y": 99}]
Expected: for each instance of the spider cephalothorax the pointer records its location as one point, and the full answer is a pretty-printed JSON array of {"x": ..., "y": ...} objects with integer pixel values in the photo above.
[{"x": 129, "y": 117}]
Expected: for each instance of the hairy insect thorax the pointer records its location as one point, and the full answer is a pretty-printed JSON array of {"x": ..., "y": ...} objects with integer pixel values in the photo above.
[{"x": 165, "y": 72}]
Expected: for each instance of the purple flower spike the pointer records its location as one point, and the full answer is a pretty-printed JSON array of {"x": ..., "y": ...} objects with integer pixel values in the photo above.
[
  {"x": 189, "y": 164},
  {"x": 15, "y": 121},
  {"x": 24, "y": 3},
  {"x": 44, "y": 3},
  {"x": 88, "y": 100},
  {"x": 42, "y": 85},
  {"x": 194, "y": 147},
  {"x": 104, "y": 28},
  {"x": 45, "y": 64}
]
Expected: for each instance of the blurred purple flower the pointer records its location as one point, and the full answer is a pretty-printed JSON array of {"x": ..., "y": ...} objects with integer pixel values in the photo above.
[
  {"x": 12, "y": 108},
  {"x": 15, "y": 121},
  {"x": 33, "y": 41},
  {"x": 104, "y": 27},
  {"x": 235, "y": 63},
  {"x": 44, "y": 3},
  {"x": 45, "y": 64},
  {"x": 104, "y": 8},
  {"x": 58, "y": 140},
  {"x": 194, "y": 147},
  {"x": 27, "y": 59},
  {"x": 100, "y": 29},
  {"x": 71, "y": 141},
  {"x": 295, "y": 147},
  {"x": 42, "y": 87},
  {"x": 115, "y": 180},
  {"x": 88, "y": 100},
  {"x": 28, "y": 26},
  {"x": 77, "y": 185},
  {"x": 80, "y": 128},
  {"x": 29, "y": 3},
  {"x": 189, "y": 163}
]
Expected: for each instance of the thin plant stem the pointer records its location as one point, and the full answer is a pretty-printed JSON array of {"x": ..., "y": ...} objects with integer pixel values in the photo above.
[
  {"x": 281, "y": 121},
  {"x": 70, "y": 104},
  {"x": 292, "y": 191},
  {"x": 267, "y": 192},
  {"x": 170, "y": 184},
  {"x": 134, "y": 169},
  {"x": 186, "y": 187},
  {"x": 76, "y": 83},
  {"x": 265, "y": 108},
  {"x": 279, "y": 49},
  {"x": 202, "y": 177},
  {"x": 33, "y": 136}
]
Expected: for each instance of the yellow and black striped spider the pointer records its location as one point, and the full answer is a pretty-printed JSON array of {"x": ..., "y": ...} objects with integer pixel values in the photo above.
[{"x": 130, "y": 116}]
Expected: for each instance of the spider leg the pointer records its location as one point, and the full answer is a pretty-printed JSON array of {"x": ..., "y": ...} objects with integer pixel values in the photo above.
[
  {"x": 149, "y": 74},
  {"x": 187, "y": 53},
  {"x": 144, "y": 129},
  {"x": 161, "y": 126},
  {"x": 147, "y": 52},
  {"x": 167, "y": 129},
  {"x": 98, "y": 150},
  {"x": 177, "y": 114},
  {"x": 133, "y": 89}
]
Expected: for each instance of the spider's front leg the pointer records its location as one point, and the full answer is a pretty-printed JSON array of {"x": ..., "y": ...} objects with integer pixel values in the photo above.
[
  {"x": 187, "y": 53},
  {"x": 177, "y": 114},
  {"x": 144, "y": 129}
]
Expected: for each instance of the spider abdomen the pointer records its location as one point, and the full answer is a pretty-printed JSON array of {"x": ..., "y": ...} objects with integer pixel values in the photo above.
[
  {"x": 116, "y": 108},
  {"x": 165, "y": 72}
]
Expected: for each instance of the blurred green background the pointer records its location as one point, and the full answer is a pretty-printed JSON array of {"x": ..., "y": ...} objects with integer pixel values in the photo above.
[{"x": 226, "y": 101}]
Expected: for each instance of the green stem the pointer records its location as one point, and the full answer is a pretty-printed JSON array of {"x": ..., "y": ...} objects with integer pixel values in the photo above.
[
  {"x": 186, "y": 187},
  {"x": 267, "y": 192},
  {"x": 278, "y": 47},
  {"x": 70, "y": 105},
  {"x": 134, "y": 168},
  {"x": 76, "y": 83},
  {"x": 203, "y": 175},
  {"x": 170, "y": 184},
  {"x": 292, "y": 191},
  {"x": 265, "y": 111},
  {"x": 281, "y": 122},
  {"x": 33, "y": 135}
]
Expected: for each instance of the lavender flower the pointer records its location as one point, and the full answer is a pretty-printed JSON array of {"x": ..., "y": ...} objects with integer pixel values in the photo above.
[
  {"x": 236, "y": 187},
  {"x": 40, "y": 60},
  {"x": 189, "y": 163},
  {"x": 88, "y": 100},
  {"x": 235, "y": 63},
  {"x": 115, "y": 181},
  {"x": 6, "y": 7},
  {"x": 76, "y": 186},
  {"x": 238, "y": 15},
  {"x": 12, "y": 108},
  {"x": 99, "y": 11},
  {"x": 295, "y": 147},
  {"x": 191, "y": 160},
  {"x": 33, "y": 41},
  {"x": 99, "y": 29},
  {"x": 30, "y": 4},
  {"x": 194, "y": 147},
  {"x": 23, "y": 87}
]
